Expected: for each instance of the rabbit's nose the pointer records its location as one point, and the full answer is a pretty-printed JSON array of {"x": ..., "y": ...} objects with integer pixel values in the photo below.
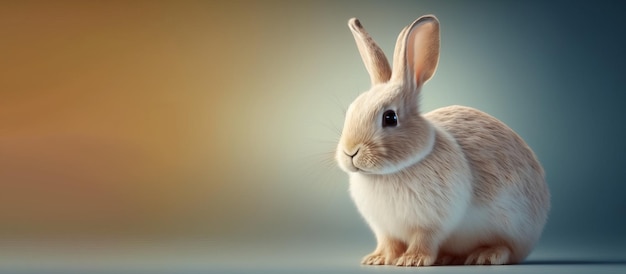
[{"x": 353, "y": 154}]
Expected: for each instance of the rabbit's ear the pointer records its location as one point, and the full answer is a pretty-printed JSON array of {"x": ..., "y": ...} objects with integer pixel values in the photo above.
[
  {"x": 417, "y": 52},
  {"x": 374, "y": 58}
]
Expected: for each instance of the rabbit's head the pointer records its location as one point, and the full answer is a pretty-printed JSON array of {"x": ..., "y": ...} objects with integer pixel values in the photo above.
[{"x": 384, "y": 132}]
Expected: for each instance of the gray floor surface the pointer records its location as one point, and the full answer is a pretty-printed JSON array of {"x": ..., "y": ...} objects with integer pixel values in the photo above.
[{"x": 270, "y": 259}]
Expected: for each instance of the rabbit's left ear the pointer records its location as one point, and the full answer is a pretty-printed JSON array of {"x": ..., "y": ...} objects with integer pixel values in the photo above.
[
  {"x": 373, "y": 57},
  {"x": 417, "y": 52}
]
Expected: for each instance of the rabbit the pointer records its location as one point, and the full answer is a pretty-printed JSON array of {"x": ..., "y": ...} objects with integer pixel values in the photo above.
[{"x": 452, "y": 186}]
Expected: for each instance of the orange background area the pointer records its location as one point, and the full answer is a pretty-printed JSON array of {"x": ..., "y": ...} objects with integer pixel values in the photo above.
[{"x": 126, "y": 117}]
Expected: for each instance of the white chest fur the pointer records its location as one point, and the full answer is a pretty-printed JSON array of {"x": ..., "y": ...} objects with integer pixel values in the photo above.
[{"x": 393, "y": 206}]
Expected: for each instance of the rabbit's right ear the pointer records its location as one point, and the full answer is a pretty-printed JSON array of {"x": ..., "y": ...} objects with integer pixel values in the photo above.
[
  {"x": 417, "y": 52},
  {"x": 373, "y": 57}
]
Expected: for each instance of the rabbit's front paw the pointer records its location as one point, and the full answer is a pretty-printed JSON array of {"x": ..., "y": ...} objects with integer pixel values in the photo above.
[
  {"x": 374, "y": 259},
  {"x": 415, "y": 260}
]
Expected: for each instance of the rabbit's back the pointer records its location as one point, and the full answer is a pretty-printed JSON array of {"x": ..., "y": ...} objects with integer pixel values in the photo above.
[{"x": 508, "y": 182}]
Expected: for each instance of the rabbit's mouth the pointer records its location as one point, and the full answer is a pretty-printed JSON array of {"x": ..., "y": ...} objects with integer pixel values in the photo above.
[
  {"x": 357, "y": 169},
  {"x": 355, "y": 162},
  {"x": 349, "y": 164},
  {"x": 362, "y": 171}
]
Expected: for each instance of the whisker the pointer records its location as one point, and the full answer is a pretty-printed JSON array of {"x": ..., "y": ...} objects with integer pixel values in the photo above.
[
  {"x": 341, "y": 105},
  {"x": 317, "y": 164},
  {"x": 333, "y": 127}
]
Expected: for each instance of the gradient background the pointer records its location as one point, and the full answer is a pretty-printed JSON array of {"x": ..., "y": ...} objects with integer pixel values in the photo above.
[{"x": 199, "y": 134}]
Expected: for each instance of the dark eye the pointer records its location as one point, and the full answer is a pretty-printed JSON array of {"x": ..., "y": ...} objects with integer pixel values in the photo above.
[{"x": 390, "y": 119}]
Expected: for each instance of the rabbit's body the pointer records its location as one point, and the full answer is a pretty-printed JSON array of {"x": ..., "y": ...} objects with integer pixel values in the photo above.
[
  {"x": 477, "y": 151},
  {"x": 454, "y": 185}
]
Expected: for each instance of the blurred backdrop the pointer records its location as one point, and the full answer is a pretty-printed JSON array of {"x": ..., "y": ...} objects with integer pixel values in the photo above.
[{"x": 215, "y": 122}]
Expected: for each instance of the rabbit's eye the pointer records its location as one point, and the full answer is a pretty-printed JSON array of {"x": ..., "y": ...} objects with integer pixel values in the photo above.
[{"x": 390, "y": 119}]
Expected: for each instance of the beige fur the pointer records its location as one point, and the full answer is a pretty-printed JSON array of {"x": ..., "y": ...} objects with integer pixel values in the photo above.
[
  {"x": 452, "y": 186},
  {"x": 375, "y": 60}
]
